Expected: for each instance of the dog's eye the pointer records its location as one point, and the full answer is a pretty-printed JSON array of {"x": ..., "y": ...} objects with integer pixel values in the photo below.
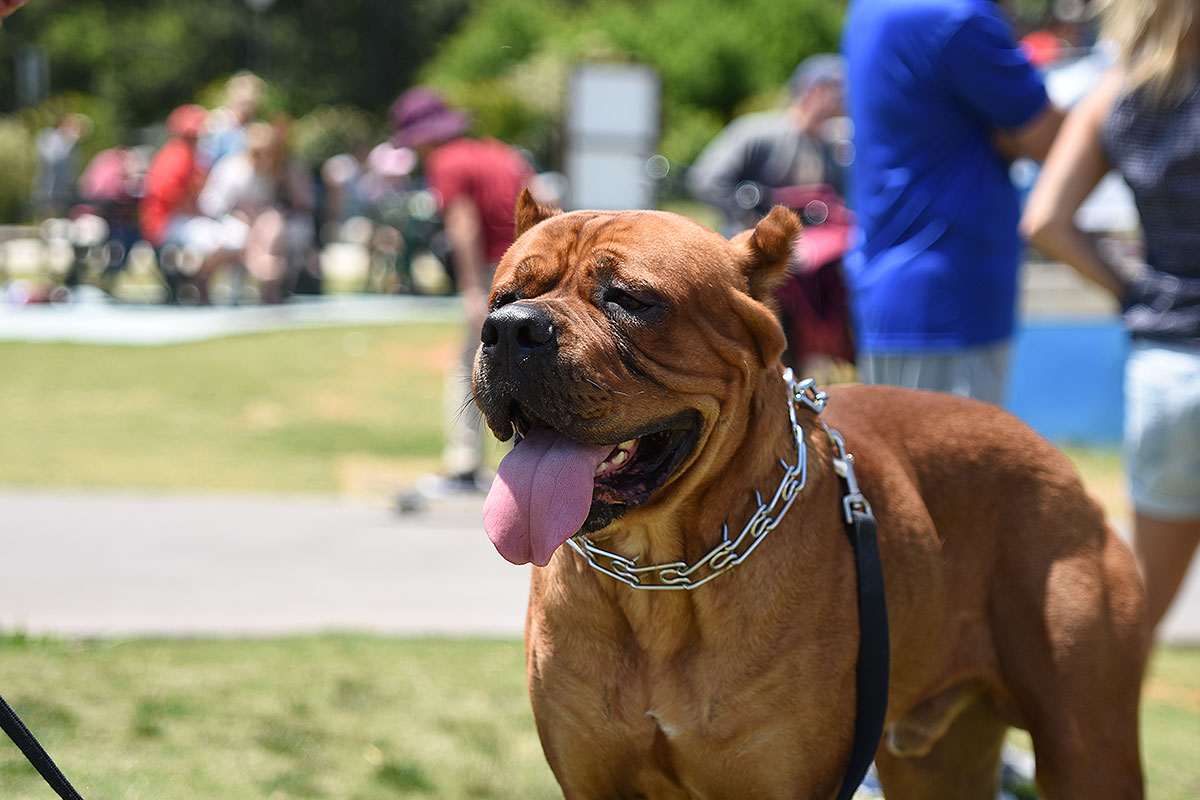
[{"x": 625, "y": 300}]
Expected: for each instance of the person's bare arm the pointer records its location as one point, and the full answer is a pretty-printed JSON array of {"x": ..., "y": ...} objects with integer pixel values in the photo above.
[
  {"x": 1033, "y": 139},
  {"x": 464, "y": 228},
  {"x": 1074, "y": 166}
]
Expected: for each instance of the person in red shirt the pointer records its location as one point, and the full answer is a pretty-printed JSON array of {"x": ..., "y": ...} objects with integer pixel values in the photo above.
[
  {"x": 168, "y": 209},
  {"x": 173, "y": 179},
  {"x": 476, "y": 183}
]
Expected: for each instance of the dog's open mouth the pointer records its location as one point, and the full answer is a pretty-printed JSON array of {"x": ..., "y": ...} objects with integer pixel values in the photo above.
[
  {"x": 638, "y": 466},
  {"x": 551, "y": 486}
]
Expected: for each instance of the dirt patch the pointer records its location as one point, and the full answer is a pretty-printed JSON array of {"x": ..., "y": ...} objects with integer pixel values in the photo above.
[{"x": 1171, "y": 695}]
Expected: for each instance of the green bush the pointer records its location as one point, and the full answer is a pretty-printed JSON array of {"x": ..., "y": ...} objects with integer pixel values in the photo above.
[
  {"x": 716, "y": 57},
  {"x": 17, "y": 163},
  {"x": 507, "y": 61},
  {"x": 496, "y": 37},
  {"x": 328, "y": 130},
  {"x": 686, "y": 131}
]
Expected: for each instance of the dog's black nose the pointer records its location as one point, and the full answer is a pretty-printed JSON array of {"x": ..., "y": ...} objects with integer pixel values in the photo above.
[{"x": 515, "y": 332}]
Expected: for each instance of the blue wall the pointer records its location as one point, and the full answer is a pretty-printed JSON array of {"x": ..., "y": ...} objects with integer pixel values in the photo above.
[{"x": 1066, "y": 379}]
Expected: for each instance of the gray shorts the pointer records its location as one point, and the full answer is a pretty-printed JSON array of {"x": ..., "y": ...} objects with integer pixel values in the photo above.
[
  {"x": 978, "y": 372},
  {"x": 1162, "y": 429}
]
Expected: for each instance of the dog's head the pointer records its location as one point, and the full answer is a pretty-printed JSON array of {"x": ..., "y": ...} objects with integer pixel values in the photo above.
[{"x": 618, "y": 347}]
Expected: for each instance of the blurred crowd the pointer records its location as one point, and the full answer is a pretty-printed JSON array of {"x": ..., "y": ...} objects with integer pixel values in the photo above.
[{"x": 225, "y": 197}]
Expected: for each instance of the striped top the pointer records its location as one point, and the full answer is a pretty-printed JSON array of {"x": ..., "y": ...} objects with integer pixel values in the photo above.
[{"x": 1157, "y": 150}]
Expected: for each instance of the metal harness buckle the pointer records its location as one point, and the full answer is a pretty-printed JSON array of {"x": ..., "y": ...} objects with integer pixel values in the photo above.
[{"x": 843, "y": 465}]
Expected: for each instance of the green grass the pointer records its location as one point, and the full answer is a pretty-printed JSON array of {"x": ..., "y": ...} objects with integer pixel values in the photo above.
[
  {"x": 354, "y": 717},
  {"x": 295, "y": 411},
  {"x": 1171, "y": 724},
  {"x": 321, "y": 717}
]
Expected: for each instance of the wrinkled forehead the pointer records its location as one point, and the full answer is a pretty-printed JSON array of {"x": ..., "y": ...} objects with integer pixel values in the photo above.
[{"x": 655, "y": 249}]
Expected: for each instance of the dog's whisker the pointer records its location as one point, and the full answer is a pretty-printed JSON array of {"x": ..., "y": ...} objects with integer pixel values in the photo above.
[
  {"x": 467, "y": 406},
  {"x": 603, "y": 388}
]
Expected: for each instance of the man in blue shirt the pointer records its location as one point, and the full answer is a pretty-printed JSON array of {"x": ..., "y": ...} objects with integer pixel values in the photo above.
[{"x": 942, "y": 99}]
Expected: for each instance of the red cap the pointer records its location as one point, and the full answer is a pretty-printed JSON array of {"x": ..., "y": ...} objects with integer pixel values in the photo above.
[{"x": 187, "y": 121}]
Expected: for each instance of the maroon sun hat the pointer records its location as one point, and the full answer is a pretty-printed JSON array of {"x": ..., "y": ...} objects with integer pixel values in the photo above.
[{"x": 422, "y": 117}]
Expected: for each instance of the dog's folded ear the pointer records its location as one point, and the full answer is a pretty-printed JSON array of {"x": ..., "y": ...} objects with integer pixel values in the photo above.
[
  {"x": 768, "y": 251},
  {"x": 530, "y": 212}
]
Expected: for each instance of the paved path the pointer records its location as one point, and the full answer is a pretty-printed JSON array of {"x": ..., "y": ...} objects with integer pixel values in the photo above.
[
  {"x": 146, "y": 564},
  {"x": 136, "y": 563}
]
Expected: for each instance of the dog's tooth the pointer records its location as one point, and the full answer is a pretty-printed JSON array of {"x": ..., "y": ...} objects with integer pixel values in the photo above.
[
  {"x": 626, "y": 446},
  {"x": 620, "y": 458}
]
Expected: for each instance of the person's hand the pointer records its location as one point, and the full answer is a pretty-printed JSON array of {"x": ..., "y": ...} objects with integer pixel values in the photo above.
[{"x": 9, "y": 6}]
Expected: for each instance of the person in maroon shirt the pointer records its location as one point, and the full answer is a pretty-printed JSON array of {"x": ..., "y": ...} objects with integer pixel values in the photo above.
[{"x": 476, "y": 183}]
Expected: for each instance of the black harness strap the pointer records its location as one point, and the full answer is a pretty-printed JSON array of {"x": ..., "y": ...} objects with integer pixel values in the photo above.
[
  {"x": 36, "y": 754},
  {"x": 874, "y": 651}
]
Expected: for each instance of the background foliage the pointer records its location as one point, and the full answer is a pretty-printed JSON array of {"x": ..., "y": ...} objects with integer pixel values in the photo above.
[
  {"x": 337, "y": 66},
  {"x": 143, "y": 57},
  {"x": 128, "y": 64},
  {"x": 717, "y": 58}
]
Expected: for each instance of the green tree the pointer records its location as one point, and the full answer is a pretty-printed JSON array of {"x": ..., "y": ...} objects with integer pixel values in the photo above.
[
  {"x": 128, "y": 64},
  {"x": 716, "y": 57},
  {"x": 143, "y": 57}
]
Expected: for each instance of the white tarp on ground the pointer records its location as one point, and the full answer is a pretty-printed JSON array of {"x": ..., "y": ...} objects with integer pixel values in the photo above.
[{"x": 102, "y": 322}]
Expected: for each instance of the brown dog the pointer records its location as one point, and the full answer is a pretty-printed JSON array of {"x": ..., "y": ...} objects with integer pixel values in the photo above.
[{"x": 634, "y": 354}]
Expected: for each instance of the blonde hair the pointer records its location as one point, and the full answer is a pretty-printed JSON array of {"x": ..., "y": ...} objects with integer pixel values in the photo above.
[
  {"x": 245, "y": 86},
  {"x": 1159, "y": 44}
]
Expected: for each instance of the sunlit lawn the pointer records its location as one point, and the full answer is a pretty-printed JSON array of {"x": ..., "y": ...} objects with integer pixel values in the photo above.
[
  {"x": 308, "y": 410},
  {"x": 355, "y": 717},
  {"x": 334, "y": 717}
]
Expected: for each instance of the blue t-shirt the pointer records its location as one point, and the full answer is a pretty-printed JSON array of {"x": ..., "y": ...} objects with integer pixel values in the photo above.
[{"x": 935, "y": 267}]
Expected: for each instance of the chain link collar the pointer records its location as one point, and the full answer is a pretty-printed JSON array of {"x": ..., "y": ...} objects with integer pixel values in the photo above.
[{"x": 729, "y": 553}]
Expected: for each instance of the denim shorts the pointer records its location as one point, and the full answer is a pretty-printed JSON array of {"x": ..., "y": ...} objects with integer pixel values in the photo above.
[{"x": 1162, "y": 429}]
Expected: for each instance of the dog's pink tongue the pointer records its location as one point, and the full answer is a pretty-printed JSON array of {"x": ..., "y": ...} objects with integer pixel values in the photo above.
[{"x": 541, "y": 495}]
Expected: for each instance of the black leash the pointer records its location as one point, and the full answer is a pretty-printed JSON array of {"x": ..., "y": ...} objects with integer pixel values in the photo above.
[
  {"x": 874, "y": 649},
  {"x": 36, "y": 754}
]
